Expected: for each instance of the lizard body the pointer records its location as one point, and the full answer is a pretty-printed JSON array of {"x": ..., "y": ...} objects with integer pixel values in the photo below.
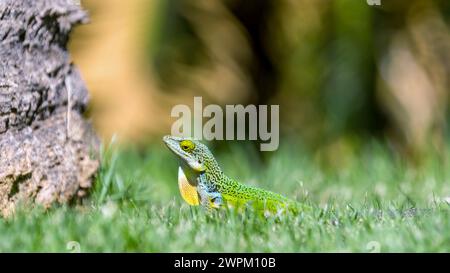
[{"x": 202, "y": 182}]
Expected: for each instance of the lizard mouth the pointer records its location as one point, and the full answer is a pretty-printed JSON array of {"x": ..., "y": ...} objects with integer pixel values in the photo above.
[{"x": 173, "y": 144}]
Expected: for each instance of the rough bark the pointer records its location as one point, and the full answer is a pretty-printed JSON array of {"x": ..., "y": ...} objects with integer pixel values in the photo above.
[{"x": 46, "y": 145}]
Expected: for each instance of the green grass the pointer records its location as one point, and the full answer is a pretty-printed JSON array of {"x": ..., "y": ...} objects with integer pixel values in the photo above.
[{"x": 362, "y": 202}]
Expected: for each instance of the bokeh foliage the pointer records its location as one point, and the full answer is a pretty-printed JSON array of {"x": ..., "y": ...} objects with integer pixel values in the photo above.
[{"x": 338, "y": 68}]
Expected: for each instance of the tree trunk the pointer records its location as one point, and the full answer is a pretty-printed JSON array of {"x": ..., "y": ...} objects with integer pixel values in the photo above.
[{"x": 45, "y": 144}]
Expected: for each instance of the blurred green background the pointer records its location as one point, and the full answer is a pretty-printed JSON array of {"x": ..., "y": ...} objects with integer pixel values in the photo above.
[{"x": 343, "y": 72}]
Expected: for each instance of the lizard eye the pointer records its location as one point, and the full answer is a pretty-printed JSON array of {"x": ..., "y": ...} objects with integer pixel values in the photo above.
[{"x": 187, "y": 145}]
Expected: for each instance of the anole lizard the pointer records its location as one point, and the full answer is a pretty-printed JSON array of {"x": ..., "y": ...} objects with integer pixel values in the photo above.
[{"x": 202, "y": 182}]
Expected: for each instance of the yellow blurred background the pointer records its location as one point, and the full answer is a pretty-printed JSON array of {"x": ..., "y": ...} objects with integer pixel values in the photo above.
[{"x": 342, "y": 71}]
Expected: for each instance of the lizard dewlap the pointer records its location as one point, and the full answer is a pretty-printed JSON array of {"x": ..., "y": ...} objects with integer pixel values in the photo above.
[
  {"x": 188, "y": 191},
  {"x": 202, "y": 182}
]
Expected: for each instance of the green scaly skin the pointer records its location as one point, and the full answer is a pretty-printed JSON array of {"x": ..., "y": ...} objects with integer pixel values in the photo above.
[{"x": 215, "y": 189}]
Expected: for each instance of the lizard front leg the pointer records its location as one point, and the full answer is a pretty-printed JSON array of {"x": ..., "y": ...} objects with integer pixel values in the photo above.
[{"x": 209, "y": 197}]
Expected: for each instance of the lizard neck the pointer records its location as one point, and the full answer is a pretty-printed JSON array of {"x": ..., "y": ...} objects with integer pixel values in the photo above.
[
  {"x": 214, "y": 174},
  {"x": 189, "y": 173}
]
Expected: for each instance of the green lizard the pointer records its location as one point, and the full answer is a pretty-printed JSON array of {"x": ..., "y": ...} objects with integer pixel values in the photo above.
[{"x": 202, "y": 182}]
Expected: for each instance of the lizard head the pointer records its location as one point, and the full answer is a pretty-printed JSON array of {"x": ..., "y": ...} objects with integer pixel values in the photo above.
[{"x": 196, "y": 155}]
